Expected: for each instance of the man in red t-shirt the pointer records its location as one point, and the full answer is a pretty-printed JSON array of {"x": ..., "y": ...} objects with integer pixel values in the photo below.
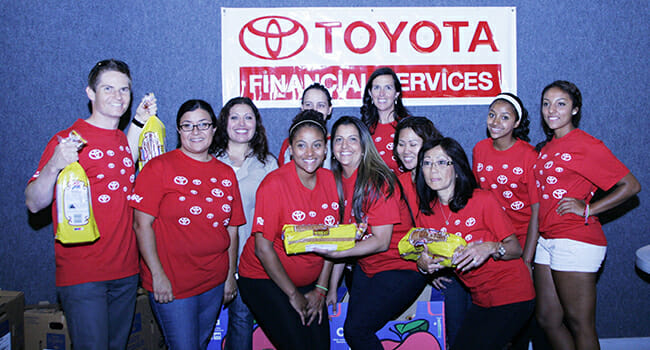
[{"x": 96, "y": 282}]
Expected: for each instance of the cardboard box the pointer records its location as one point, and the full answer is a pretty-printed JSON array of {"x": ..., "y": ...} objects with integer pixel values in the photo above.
[
  {"x": 218, "y": 339},
  {"x": 425, "y": 331},
  {"x": 145, "y": 332},
  {"x": 45, "y": 328},
  {"x": 12, "y": 331}
]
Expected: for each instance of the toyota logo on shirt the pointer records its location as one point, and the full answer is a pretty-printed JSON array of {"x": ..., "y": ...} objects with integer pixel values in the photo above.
[{"x": 273, "y": 37}]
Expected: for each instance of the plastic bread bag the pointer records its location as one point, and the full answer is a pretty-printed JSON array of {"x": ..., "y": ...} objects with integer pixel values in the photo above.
[
  {"x": 305, "y": 238},
  {"x": 75, "y": 220},
  {"x": 152, "y": 138},
  {"x": 441, "y": 244}
]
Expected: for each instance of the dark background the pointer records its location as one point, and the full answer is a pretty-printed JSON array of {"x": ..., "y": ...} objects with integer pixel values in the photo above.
[{"x": 173, "y": 49}]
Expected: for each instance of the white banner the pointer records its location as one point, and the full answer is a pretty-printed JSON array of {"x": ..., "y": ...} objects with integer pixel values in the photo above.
[{"x": 442, "y": 55}]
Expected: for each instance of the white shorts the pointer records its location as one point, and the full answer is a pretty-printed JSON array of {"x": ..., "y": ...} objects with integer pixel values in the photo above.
[{"x": 563, "y": 254}]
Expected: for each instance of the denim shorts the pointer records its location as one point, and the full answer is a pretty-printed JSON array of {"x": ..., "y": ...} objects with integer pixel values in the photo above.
[{"x": 563, "y": 254}]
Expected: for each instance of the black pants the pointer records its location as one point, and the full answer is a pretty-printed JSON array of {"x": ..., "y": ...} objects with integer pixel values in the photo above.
[
  {"x": 279, "y": 320},
  {"x": 493, "y": 327},
  {"x": 376, "y": 300}
]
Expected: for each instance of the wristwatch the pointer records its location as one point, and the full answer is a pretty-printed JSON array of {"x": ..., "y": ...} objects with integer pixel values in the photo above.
[{"x": 501, "y": 251}]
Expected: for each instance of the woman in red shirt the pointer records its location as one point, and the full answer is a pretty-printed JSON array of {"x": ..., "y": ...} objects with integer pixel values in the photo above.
[
  {"x": 490, "y": 266},
  {"x": 281, "y": 290},
  {"x": 503, "y": 163},
  {"x": 382, "y": 109},
  {"x": 187, "y": 210},
  {"x": 571, "y": 166},
  {"x": 383, "y": 284}
]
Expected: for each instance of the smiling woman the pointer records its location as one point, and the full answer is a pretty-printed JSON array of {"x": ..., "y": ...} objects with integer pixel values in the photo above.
[
  {"x": 382, "y": 109},
  {"x": 187, "y": 211},
  {"x": 240, "y": 142},
  {"x": 280, "y": 289}
]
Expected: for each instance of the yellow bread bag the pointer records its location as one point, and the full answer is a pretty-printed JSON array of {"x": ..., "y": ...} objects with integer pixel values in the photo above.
[
  {"x": 305, "y": 238},
  {"x": 441, "y": 244},
  {"x": 75, "y": 220},
  {"x": 152, "y": 139}
]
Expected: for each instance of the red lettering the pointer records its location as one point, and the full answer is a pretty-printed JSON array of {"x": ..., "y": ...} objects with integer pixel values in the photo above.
[
  {"x": 483, "y": 26},
  {"x": 392, "y": 37},
  {"x": 413, "y": 37},
  {"x": 328, "y": 33},
  {"x": 372, "y": 37},
  {"x": 455, "y": 29}
]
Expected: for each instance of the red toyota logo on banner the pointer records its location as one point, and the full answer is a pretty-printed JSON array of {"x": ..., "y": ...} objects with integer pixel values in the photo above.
[{"x": 275, "y": 31}]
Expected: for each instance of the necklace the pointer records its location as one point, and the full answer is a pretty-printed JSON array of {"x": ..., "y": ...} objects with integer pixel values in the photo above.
[{"x": 443, "y": 213}]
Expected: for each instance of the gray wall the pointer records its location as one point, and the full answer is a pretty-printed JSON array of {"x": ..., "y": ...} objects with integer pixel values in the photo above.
[{"x": 173, "y": 49}]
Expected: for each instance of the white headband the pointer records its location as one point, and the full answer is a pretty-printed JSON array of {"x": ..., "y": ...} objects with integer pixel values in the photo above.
[{"x": 512, "y": 101}]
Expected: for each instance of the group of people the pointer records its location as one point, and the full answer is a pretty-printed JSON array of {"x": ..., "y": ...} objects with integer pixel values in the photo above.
[{"x": 206, "y": 220}]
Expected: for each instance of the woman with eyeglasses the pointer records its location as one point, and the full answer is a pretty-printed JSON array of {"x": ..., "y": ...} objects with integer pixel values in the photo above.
[
  {"x": 571, "y": 166},
  {"x": 382, "y": 109},
  {"x": 187, "y": 210},
  {"x": 490, "y": 265},
  {"x": 410, "y": 134}
]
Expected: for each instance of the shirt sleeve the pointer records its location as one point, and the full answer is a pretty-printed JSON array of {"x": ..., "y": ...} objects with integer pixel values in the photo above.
[
  {"x": 601, "y": 167},
  {"x": 148, "y": 191},
  {"x": 47, "y": 155},
  {"x": 267, "y": 211},
  {"x": 385, "y": 211}
]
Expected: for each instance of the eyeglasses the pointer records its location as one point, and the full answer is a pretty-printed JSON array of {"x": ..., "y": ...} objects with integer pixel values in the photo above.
[
  {"x": 438, "y": 164},
  {"x": 190, "y": 127}
]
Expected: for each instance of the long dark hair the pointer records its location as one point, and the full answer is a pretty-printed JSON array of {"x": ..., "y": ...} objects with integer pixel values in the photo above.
[
  {"x": 373, "y": 175},
  {"x": 369, "y": 113},
  {"x": 258, "y": 144},
  {"x": 192, "y": 105},
  {"x": 522, "y": 130},
  {"x": 576, "y": 99},
  {"x": 421, "y": 126},
  {"x": 464, "y": 183}
]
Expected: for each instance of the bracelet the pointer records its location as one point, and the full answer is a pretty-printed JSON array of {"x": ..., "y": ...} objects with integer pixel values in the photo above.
[
  {"x": 321, "y": 287},
  {"x": 137, "y": 123},
  {"x": 586, "y": 215},
  {"x": 321, "y": 293}
]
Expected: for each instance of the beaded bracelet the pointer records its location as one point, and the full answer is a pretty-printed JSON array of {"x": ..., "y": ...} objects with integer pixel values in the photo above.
[{"x": 321, "y": 287}]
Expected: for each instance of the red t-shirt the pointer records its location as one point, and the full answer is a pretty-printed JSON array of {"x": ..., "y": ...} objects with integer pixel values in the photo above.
[
  {"x": 574, "y": 166},
  {"x": 509, "y": 175},
  {"x": 107, "y": 160},
  {"x": 494, "y": 283},
  {"x": 409, "y": 190},
  {"x": 385, "y": 211},
  {"x": 193, "y": 203},
  {"x": 383, "y": 138},
  {"x": 282, "y": 199}
]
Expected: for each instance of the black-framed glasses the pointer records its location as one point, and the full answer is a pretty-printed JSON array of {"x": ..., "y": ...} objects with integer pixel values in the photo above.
[{"x": 187, "y": 127}]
